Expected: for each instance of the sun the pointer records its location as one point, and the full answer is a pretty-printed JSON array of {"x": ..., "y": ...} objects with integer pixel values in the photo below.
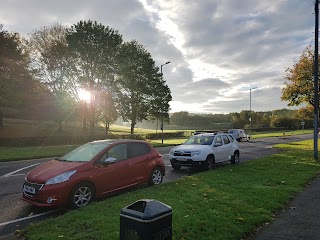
[{"x": 84, "y": 95}]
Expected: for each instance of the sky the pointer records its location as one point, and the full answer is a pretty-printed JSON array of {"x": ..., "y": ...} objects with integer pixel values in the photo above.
[{"x": 218, "y": 49}]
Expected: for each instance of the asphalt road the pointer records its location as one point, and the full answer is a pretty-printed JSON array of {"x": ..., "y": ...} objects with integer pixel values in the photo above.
[{"x": 16, "y": 214}]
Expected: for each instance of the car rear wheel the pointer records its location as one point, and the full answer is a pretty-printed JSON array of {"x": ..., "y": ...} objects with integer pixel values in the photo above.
[
  {"x": 155, "y": 177},
  {"x": 235, "y": 158},
  {"x": 209, "y": 163},
  {"x": 176, "y": 167},
  {"x": 81, "y": 195}
]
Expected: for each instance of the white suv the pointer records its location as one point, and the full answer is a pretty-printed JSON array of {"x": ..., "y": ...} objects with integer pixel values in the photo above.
[{"x": 204, "y": 150}]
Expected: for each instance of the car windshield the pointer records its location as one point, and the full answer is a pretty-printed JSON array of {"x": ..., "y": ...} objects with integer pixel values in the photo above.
[
  {"x": 85, "y": 152},
  {"x": 199, "y": 140}
]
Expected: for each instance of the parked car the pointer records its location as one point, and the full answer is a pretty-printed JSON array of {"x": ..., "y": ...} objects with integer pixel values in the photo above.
[
  {"x": 91, "y": 171},
  {"x": 204, "y": 150},
  {"x": 240, "y": 134}
]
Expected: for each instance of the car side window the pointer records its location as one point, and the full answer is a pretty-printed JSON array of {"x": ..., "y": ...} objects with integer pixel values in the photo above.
[
  {"x": 231, "y": 138},
  {"x": 119, "y": 152},
  {"x": 225, "y": 139},
  {"x": 138, "y": 149},
  {"x": 218, "y": 140}
]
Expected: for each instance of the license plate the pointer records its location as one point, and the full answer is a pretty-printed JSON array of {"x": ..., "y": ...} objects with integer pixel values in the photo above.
[
  {"x": 28, "y": 189},
  {"x": 182, "y": 159}
]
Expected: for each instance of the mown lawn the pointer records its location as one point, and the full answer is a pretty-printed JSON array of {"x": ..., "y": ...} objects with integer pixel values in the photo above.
[{"x": 228, "y": 202}]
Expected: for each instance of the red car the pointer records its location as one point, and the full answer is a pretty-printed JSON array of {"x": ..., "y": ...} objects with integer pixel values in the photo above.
[{"x": 91, "y": 171}]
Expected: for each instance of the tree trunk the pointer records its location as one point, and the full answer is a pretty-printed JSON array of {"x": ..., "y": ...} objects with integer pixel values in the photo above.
[
  {"x": 1, "y": 119},
  {"x": 84, "y": 120},
  {"x": 132, "y": 128},
  {"x": 107, "y": 127}
]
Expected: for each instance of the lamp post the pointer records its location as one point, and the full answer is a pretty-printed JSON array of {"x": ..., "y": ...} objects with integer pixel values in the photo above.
[
  {"x": 162, "y": 117},
  {"x": 250, "y": 119}
]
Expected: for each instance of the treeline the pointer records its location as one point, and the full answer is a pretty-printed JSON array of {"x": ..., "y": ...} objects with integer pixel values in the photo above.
[
  {"x": 282, "y": 118},
  {"x": 41, "y": 77}
]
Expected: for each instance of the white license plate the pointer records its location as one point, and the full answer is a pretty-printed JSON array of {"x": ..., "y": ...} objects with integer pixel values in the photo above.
[
  {"x": 182, "y": 159},
  {"x": 28, "y": 189}
]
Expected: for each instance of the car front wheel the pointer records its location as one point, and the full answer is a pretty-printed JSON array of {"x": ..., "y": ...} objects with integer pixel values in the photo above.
[
  {"x": 155, "y": 177},
  {"x": 81, "y": 195},
  {"x": 209, "y": 163},
  {"x": 235, "y": 158}
]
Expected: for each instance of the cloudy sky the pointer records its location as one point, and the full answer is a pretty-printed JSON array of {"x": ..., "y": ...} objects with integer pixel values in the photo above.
[{"x": 218, "y": 49}]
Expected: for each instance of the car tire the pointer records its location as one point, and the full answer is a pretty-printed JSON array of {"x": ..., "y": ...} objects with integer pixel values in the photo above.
[
  {"x": 240, "y": 139},
  {"x": 176, "y": 167},
  {"x": 81, "y": 195},
  {"x": 209, "y": 163},
  {"x": 235, "y": 158},
  {"x": 156, "y": 177}
]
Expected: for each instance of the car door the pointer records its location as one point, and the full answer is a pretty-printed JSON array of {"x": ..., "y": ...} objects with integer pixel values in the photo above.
[
  {"x": 218, "y": 148},
  {"x": 140, "y": 159},
  {"x": 228, "y": 150},
  {"x": 112, "y": 176}
]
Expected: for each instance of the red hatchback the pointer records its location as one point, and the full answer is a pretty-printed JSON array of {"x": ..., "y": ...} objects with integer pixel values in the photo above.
[{"x": 91, "y": 171}]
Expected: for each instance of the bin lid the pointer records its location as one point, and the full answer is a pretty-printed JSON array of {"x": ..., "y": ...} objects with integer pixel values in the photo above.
[{"x": 146, "y": 210}]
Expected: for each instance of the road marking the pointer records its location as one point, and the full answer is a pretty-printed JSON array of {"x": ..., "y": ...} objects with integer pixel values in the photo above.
[
  {"x": 26, "y": 218},
  {"x": 12, "y": 173},
  {"x": 15, "y": 175}
]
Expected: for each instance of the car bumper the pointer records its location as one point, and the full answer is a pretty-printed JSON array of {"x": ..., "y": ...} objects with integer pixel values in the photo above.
[
  {"x": 49, "y": 196},
  {"x": 187, "y": 163}
]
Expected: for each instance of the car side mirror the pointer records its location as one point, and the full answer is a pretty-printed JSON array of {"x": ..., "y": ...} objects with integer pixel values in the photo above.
[
  {"x": 217, "y": 145},
  {"x": 109, "y": 160}
]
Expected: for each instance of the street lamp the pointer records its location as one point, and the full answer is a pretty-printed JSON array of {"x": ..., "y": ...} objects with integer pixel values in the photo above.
[
  {"x": 162, "y": 117},
  {"x": 250, "y": 119}
]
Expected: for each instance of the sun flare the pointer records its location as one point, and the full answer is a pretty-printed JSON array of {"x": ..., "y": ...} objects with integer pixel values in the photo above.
[{"x": 84, "y": 95}]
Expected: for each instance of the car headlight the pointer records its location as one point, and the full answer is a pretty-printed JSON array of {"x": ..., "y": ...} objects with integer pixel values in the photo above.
[
  {"x": 63, "y": 177},
  {"x": 195, "y": 153}
]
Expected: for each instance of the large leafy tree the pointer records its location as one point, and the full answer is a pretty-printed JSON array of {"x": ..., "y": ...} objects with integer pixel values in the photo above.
[
  {"x": 17, "y": 85},
  {"x": 140, "y": 89},
  {"x": 51, "y": 61},
  {"x": 94, "y": 48},
  {"x": 299, "y": 85}
]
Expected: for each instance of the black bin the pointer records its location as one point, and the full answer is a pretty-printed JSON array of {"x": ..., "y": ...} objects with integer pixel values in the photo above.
[{"x": 146, "y": 219}]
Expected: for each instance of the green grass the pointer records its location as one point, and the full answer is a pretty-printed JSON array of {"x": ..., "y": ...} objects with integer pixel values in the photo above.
[
  {"x": 229, "y": 202},
  {"x": 14, "y": 154},
  {"x": 279, "y": 133}
]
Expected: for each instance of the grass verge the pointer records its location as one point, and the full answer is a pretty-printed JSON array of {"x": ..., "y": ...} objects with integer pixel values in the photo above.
[
  {"x": 14, "y": 154},
  {"x": 227, "y": 203}
]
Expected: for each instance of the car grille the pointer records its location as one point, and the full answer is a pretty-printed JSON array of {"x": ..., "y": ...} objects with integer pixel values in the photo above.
[
  {"x": 182, "y": 154},
  {"x": 31, "y": 189}
]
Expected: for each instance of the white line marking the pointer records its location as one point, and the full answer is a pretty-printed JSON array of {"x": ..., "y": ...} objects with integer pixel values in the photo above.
[
  {"x": 9, "y": 174},
  {"x": 15, "y": 175},
  {"x": 26, "y": 218}
]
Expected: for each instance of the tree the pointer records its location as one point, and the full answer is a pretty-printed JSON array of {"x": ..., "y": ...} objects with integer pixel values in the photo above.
[
  {"x": 141, "y": 91},
  {"x": 51, "y": 62},
  {"x": 179, "y": 118},
  {"x": 299, "y": 87},
  {"x": 16, "y": 81},
  {"x": 94, "y": 48},
  {"x": 107, "y": 107}
]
